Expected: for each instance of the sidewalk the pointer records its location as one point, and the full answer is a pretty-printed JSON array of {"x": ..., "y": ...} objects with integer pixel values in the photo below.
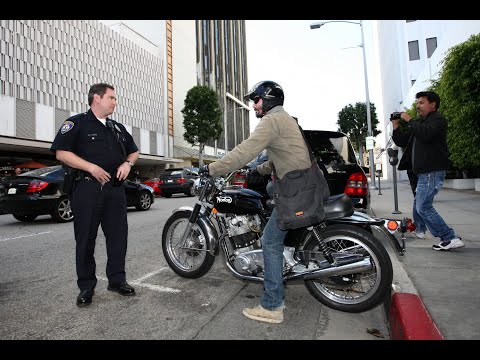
[{"x": 448, "y": 282}]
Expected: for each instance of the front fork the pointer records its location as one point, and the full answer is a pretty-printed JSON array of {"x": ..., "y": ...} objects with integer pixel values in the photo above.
[{"x": 191, "y": 220}]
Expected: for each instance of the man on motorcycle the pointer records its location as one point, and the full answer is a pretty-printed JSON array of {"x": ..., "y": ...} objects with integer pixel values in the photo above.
[{"x": 279, "y": 133}]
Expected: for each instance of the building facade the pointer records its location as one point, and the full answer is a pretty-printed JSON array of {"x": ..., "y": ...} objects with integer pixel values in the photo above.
[
  {"x": 211, "y": 53},
  {"x": 48, "y": 66}
]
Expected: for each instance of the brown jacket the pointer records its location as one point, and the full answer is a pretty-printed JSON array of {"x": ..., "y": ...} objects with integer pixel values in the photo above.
[{"x": 277, "y": 132}]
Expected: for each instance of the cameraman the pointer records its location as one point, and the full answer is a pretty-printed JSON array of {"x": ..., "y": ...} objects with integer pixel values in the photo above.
[{"x": 429, "y": 156}]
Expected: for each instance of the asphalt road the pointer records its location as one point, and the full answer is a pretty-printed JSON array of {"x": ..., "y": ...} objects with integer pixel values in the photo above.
[{"x": 38, "y": 292}]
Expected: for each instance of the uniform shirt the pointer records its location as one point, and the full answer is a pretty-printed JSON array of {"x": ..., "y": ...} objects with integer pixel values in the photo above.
[{"x": 88, "y": 138}]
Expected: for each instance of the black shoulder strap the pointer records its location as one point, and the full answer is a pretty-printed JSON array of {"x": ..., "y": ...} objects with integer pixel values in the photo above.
[
  {"x": 312, "y": 158},
  {"x": 111, "y": 126}
]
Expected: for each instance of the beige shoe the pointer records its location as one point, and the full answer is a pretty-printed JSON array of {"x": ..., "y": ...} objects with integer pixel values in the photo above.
[{"x": 261, "y": 314}]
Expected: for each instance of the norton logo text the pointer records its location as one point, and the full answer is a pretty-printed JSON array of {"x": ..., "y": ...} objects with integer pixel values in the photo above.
[{"x": 225, "y": 199}]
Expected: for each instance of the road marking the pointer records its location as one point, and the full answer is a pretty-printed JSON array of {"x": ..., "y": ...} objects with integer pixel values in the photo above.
[
  {"x": 24, "y": 236},
  {"x": 158, "y": 288}
]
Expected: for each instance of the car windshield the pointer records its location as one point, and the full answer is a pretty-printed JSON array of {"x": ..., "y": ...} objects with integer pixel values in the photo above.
[
  {"x": 42, "y": 172},
  {"x": 173, "y": 172}
]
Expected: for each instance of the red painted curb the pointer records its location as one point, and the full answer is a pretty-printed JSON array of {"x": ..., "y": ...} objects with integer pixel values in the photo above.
[{"x": 410, "y": 320}]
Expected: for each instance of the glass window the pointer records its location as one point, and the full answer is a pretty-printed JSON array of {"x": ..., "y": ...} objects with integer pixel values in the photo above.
[
  {"x": 413, "y": 51},
  {"x": 431, "y": 46}
]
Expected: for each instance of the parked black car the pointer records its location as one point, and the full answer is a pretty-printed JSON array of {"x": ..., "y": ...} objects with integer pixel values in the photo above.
[
  {"x": 39, "y": 192},
  {"x": 177, "y": 180},
  {"x": 337, "y": 160}
]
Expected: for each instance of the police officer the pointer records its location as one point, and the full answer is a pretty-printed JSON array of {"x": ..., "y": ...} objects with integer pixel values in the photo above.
[{"x": 104, "y": 152}]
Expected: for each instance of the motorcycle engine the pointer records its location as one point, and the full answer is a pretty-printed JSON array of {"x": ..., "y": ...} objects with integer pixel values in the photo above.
[{"x": 244, "y": 232}]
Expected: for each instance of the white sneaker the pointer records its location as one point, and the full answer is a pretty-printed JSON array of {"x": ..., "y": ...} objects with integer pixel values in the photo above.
[
  {"x": 261, "y": 314},
  {"x": 450, "y": 244},
  {"x": 419, "y": 234}
]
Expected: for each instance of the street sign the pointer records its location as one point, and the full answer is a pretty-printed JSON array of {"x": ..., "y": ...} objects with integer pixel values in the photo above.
[{"x": 370, "y": 142}]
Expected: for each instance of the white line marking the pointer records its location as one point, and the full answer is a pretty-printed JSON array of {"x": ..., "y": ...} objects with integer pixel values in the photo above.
[
  {"x": 151, "y": 274},
  {"x": 149, "y": 286},
  {"x": 24, "y": 236}
]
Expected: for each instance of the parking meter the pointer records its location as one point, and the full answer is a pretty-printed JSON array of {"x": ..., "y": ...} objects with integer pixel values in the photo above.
[
  {"x": 393, "y": 159},
  {"x": 392, "y": 156}
]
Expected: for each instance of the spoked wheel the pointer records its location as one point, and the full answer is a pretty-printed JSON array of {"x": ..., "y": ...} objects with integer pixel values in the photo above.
[
  {"x": 191, "y": 258},
  {"x": 356, "y": 292}
]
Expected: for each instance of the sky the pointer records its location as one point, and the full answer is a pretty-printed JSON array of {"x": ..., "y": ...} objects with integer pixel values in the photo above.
[{"x": 318, "y": 75}]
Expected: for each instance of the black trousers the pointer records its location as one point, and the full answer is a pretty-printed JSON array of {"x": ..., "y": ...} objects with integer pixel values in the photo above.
[{"x": 94, "y": 205}]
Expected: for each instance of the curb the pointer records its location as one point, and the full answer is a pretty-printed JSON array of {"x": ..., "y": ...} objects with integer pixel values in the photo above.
[{"x": 410, "y": 320}]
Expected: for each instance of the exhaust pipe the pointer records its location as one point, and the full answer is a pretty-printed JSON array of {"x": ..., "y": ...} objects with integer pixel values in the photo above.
[{"x": 356, "y": 267}]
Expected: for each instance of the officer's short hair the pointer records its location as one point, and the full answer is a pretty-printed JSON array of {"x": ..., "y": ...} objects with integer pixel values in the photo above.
[{"x": 99, "y": 89}]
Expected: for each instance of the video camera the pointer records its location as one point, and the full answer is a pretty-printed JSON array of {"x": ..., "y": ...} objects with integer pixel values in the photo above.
[{"x": 395, "y": 116}]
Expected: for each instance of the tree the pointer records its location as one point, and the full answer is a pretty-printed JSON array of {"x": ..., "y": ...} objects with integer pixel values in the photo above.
[
  {"x": 201, "y": 118},
  {"x": 458, "y": 86},
  {"x": 352, "y": 120}
]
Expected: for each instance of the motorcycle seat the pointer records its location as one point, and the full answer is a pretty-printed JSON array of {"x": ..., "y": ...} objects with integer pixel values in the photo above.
[{"x": 338, "y": 206}]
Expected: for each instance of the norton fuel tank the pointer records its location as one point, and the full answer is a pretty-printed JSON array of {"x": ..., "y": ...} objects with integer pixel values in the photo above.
[{"x": 238, "y": 201}]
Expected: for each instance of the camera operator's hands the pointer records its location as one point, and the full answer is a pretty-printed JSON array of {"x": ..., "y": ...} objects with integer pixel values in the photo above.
[
  {"x": 204, "y": 171},
  {"x": 405, "y": 116}
]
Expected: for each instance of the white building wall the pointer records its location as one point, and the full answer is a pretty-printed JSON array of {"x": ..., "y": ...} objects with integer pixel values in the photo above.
[
  {"x": 184, "y": 71},
  {"x": 45, "y": 122},
  {"x": 145, "y": 141},
  {"x": 7, "y": 117},
  {"x": 161, "y": 145}
]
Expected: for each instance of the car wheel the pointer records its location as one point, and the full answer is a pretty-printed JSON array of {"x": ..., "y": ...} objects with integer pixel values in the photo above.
[
  {"x": 144, "y": 201},
  {"x": 167, "y": 195},
  {"x": 21, "y": 217},
  {"x": 190, "y": 192},
  {"x": 62, "y": 212}
]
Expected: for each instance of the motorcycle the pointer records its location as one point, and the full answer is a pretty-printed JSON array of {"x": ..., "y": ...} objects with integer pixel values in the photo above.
[{"x": 340, "y": 261}]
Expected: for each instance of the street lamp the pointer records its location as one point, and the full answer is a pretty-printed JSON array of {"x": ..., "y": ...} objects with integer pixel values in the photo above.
[{"x": 369, "y": 120}]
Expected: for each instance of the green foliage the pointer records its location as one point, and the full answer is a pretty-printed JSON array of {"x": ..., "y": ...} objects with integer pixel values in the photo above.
[
  {"x": 352, "y": 120},
  {"x": 201, "y": 116},
  {"x": 459, "y": 90}
]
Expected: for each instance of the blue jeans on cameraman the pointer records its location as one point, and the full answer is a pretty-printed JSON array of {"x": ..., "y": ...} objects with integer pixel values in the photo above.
[
  {"x": 424, "y": 214},
  {"x": 272, "y": 248}
]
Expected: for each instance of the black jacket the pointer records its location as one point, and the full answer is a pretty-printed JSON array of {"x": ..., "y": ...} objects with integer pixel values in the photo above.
[{"x": 428, "y": 144}]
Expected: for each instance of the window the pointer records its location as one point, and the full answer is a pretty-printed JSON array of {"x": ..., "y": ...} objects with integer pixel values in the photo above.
[
  {"x": 431, "y": 46},
  {"x": 413, "y": 52}
]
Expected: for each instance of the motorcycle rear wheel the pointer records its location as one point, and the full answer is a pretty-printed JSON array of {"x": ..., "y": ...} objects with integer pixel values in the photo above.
[
  {"x": 192, "y": 259},
  {"x": 352, "y": 293}
]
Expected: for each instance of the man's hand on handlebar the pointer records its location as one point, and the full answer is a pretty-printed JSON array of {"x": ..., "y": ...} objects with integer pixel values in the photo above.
[{"x": 204, "y": 171}]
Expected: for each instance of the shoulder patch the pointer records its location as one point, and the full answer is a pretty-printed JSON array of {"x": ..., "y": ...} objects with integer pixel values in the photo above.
[{"x": 67, "y": 126}]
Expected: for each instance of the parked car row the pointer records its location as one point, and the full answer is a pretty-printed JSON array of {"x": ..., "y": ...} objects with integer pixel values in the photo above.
[{"x": 40, "y": 192}]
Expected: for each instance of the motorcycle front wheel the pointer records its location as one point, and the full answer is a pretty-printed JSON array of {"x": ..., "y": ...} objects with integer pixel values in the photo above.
[
  {"x": 189, "y": 259},
  {"x": 357, "y": 292}
]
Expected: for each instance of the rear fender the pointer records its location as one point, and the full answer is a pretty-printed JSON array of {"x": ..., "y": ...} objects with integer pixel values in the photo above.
[{"x": 370, "y": 224}]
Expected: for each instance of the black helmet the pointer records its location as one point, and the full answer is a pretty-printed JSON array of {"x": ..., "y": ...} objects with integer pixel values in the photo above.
[{"x": 269, "y": 91}]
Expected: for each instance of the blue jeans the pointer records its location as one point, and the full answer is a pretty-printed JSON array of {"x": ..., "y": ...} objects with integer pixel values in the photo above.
[
  {"x": 272, "y": 247},
  {"x": 424, "y": 215}
]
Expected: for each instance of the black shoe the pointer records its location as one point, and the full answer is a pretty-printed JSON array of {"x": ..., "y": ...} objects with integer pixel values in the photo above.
[
  {"x": 85, "y": 297},
  {"x": 122, "y": 288}
]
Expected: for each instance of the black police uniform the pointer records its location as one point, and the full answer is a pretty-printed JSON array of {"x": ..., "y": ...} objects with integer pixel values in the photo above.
[{"x": 92, "y": 203}]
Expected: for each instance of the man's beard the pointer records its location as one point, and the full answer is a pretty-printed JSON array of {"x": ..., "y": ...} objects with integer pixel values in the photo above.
[{"x": 259, "y": 114}]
